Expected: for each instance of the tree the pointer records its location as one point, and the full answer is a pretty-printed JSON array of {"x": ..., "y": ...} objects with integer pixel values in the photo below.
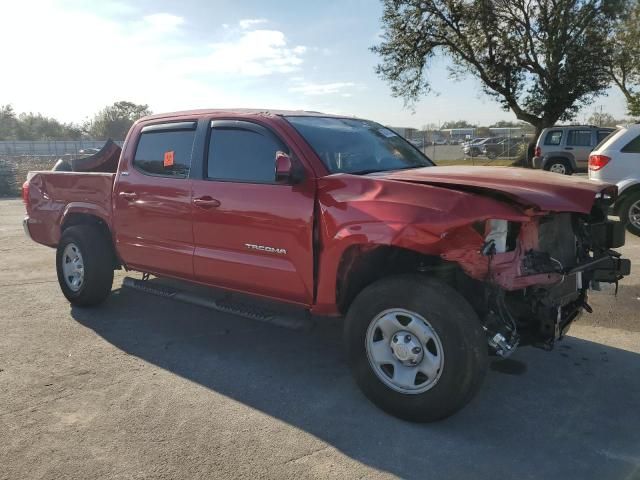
[
  {"x": 603, "y": 120},
  {"x": 115, "y": 120},
  {"x": 8, "y": 122},
  {"x": 35, "y": 126},
  {"x": 541, "y": 59},
  {"x": 457, "y": 124},
  {"x": 624, "y": 68}
]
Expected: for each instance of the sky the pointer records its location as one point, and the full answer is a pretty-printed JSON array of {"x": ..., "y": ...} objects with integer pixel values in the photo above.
[{"x": 69, "y": 58}]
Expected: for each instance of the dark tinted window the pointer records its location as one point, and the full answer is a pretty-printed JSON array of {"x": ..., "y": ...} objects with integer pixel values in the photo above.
[
  {"x": 554, "y": 137},
  {"x": 633, "y": 146},
  {"x": 166, "y": 153},
  {"x": 603, "y": 134},
  {"x": 242, "y": 155},
  {"x": 357, "y": 146},
  {"x": 579, "y": 138}
]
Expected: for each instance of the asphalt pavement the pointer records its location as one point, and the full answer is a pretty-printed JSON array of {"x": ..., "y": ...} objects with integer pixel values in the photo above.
[{"x": 144, "y": 387}]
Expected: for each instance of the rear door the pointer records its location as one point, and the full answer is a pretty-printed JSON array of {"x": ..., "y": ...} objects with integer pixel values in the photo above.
[
  {"x": 153, "y": 201},
  {"x": 250, "y": 233},
  {"x": 580, "y": 142}
]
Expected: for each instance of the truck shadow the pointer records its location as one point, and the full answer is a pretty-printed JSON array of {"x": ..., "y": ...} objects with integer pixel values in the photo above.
[{"x": 573, "y": 413}]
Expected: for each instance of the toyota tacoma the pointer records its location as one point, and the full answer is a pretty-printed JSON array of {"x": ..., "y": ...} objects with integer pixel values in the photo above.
[{"x": 434, "y": 269}]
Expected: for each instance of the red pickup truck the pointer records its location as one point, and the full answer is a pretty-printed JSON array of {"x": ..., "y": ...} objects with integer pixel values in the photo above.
[{"x": 434, "y": 268}]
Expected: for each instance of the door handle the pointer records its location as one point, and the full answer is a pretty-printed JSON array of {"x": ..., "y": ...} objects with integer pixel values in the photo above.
[
  {"x": 128, "y": 196},
  {"x": 206, "y": 202},
  {"x": 568, "y": 148}
]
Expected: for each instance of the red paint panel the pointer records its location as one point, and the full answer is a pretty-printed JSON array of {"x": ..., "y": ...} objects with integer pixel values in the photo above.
[{"x": 279, "y": 217}]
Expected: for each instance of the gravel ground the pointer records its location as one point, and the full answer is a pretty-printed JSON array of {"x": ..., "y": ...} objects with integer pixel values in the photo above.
[{"x": 146, "y": 388}]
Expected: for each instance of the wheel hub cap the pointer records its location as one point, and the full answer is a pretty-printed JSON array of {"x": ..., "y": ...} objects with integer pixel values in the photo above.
[
  {"x": 634, "y": 214},
  {"x": 407, "y": 348},
  {"x": 404, "y": 351},
  {"x": 73, "y": 267}
]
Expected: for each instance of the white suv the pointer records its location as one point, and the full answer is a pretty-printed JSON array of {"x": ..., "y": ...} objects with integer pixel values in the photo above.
[{"x": 617, "y": 160}]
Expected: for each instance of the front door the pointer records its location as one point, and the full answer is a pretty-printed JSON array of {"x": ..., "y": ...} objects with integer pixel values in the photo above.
[
  {"x": 251, "y": 233},
  {"x": 153, "y": 202}
]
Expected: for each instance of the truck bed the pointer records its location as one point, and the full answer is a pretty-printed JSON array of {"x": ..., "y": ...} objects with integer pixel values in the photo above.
[{"x": 52, "y": 198}]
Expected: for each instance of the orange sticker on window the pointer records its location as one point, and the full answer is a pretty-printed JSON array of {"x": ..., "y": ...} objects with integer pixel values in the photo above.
[{"x": 168, "y": 158}]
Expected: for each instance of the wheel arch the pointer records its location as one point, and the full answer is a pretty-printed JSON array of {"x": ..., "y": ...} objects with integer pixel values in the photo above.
[
  {"x": 79, "y": 216},
  {"x": 629, "y": 189},
  {"x": 550, "y": 157},
  {"x": 361, "y": 265}
]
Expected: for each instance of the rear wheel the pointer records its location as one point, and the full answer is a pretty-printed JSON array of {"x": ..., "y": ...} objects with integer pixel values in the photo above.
[
  {"x": 630, "y": 213},
  {"x": 84, "y": 261},
  {"x": 559, "y": 165},
  {"x": 416, "y": 347}
]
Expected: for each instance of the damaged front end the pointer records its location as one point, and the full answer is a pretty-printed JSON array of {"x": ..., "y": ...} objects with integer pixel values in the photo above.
[{"x": 529, "y": 280}]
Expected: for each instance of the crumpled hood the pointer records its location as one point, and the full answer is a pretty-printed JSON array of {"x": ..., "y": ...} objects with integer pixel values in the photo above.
[{"x": 530, "y": 188}]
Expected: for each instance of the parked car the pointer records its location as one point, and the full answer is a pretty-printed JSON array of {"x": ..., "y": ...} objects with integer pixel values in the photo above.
[
  {"x": 508, "y": 147},
  {"x": 432, "y": 267},
  {"x": 566, "y": 148},
  {"x": 475, "y": 149},
  {"x": 617, "y": 160}
]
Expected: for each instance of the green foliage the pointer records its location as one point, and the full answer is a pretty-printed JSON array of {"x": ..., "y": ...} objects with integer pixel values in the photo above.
[
  {"x": 542, "y": 59},
  {"x": 457, "y": 124},
  {"x": 624, "y": 68},
  {"x": 8, "y": 122},
  {"x": 603, "y": 120},
  {"x": 34, "y": 126},
  {"x": 115, "y": 120}
]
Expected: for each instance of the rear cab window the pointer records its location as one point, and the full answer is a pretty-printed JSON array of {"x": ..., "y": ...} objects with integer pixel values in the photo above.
[
  {"x": 165, "y": 149},
  {"x": 553, "y": 137}
]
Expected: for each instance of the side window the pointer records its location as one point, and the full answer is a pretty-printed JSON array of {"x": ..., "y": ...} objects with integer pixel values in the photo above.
[
  {"x": 579, "y": 138},
  {"x": 602, "y": 134},
  {"x": 165, "y": 152},
  {"x": 632, "y": 147},
  {"x": 242, "y": 154},
  {"x": 554, "y": 137}
]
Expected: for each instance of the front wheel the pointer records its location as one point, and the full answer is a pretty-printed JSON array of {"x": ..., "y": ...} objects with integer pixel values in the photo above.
[
  {"x": 84, "y": 261},
  {"x": 416, "y": 347}
]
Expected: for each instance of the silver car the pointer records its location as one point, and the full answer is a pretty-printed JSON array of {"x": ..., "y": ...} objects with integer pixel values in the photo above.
[
  {"x": 565, "y": 148},
  {"x": 617, "y": 160}
]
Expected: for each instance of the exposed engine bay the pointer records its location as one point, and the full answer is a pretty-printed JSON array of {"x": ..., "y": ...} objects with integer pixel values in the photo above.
[
  {"x": 560, "y": 256},
  {"x": 574, "y": 252}
]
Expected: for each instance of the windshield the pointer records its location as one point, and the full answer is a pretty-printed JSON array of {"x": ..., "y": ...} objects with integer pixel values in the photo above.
[{"x": 348, "y": 145}]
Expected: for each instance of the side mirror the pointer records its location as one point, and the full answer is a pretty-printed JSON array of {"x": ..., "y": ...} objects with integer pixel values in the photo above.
[{"x": 284, "y": 168}]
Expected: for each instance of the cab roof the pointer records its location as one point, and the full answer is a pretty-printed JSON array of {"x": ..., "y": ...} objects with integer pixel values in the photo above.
[{"x": 240, "y": 112}]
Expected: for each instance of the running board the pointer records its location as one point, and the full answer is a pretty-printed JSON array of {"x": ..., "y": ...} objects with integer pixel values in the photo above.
[{"x": 242, "y": 309}]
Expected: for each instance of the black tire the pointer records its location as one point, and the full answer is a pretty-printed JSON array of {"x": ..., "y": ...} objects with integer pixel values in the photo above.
[
  {"x": 561, "y": 163},
  {"x": 463, "y": 342},
  {"x": 97, "y": 256},
  {"x": 627, "y": 202}
]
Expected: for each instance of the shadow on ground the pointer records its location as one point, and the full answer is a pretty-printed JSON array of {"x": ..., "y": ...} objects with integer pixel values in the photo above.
[{"x": 571, "y": 413}]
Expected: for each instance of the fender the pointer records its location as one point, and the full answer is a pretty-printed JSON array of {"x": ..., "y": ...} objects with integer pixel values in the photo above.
[
  {"x": 427, "y": 219},
  {"x": 625, "y": 187},
  {"x": 627, "y": 184},
  {"x": 96, "y": 210}
]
